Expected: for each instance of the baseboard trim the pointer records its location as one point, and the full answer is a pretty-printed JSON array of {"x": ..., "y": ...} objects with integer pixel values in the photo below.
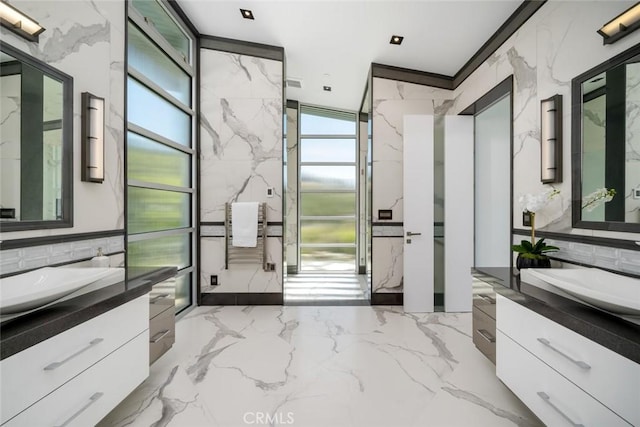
[
  {"x": 387, "y": 299},
  {"x": 241, "y": 298}
]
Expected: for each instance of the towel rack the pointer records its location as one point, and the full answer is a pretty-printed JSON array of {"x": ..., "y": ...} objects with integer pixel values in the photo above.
[{"x": 239, "y": 255}]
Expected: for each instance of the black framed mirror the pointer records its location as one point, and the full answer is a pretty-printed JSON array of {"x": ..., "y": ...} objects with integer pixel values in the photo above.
[
  {"x": 36, "y": 147},
  {"x": 605, "y": 145}
]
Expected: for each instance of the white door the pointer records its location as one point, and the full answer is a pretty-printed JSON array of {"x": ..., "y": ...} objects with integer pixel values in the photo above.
[{"x": 418, "y": 213}]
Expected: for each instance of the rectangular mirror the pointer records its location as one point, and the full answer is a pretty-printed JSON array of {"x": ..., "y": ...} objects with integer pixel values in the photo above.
[
  {"x": 36, "y": 147},
  {"x": 605, "y": 144}
]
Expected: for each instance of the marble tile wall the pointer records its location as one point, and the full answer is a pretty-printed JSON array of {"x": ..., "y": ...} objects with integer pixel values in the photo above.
[
  {"x": 239, "y": 278},
  {"x": 85, "y": 39},
  {"x": 558, "y": 43},
  {"x": 392, "y": 100},
  {"x": 240, "y": 158}
]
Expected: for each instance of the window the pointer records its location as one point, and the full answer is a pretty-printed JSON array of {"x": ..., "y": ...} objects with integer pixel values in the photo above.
[
  {"x": 160, "y": 141},
  {"x": 328, "y": 196}
]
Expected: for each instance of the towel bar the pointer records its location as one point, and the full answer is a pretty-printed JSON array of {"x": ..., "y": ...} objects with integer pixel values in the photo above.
[{"x": 240, "y": 255}]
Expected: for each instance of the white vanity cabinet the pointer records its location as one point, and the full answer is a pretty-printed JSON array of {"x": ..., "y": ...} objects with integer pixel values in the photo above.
[
  {"x": 563, "y": 377},
  {"x": 79, "y": 375}
]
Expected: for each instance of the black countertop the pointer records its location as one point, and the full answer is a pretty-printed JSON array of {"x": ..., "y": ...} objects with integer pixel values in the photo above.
[
  {"x": 612, "y": 332},
  {"x": 22, "y": 332}
]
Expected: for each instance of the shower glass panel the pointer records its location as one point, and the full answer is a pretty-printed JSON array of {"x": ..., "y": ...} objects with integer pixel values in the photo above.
[{"x": 493, "y": 185}]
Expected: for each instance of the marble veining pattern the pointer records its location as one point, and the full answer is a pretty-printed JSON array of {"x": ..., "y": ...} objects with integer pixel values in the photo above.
[
  {"x": 392, "y": 100},
  {"x": 388, "y": 230},
  {"x": 321, "y": 366},
  {"x": 87, "y": 32},
  {"x": 241, "y": 121},
  {"x": 552, "y": 47},
  {"x": 241, "y": 158},
  {"x": 387, "y": 264},
  {"x": 239, "y": 277}
]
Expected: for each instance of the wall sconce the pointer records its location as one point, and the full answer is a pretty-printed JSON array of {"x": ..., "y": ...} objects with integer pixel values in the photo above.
[
  {"x": 551, "y": 139},
  {"x": 92, "y": 138},
  {"x": 622, "y": 25},
  {"x": 19, "y": 23}
]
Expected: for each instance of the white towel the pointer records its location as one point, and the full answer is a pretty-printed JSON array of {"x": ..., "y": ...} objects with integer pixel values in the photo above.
[{"x": 244, "y": 224}]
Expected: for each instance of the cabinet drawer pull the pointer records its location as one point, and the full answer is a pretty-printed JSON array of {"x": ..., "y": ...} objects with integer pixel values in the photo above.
[
  {"x": 56, "y": 365},
  {"x": 93, "y": 399},
  {"x": 580, "y": 363},
  {"x": 159, "y": 297},
  {"x": 157, "y": 337},
  {"x": 544, "y": 396},
  {"x": 486, "y": 335}
]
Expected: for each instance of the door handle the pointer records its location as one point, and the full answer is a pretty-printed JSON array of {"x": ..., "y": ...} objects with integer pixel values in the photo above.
[{"x": 409, "y": 234}]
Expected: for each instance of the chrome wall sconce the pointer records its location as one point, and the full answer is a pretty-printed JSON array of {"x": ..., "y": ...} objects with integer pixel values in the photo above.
[
  {"x": 622, "y": 25},
  {"x": 92, "y": 138},
  {"x": 19, "y": 23},
  {"x": 551, "y": 139}
]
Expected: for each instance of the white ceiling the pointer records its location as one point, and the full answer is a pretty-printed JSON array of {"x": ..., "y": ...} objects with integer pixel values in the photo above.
[{"x": 333, "y": 43}]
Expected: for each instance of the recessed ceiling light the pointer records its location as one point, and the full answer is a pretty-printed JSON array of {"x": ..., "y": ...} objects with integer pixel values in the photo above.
[
  {"x": 396, "y": 39},
  {"x": 246, "y": 14},
  {"x": 327, "y": 88}
]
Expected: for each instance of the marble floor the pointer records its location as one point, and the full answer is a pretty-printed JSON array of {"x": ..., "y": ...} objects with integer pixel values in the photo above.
[{"x": 321, "y": 366}]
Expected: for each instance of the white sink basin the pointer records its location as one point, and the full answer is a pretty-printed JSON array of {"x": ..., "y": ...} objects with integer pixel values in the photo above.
[
  {"x": 39, "y": 287},
  {"x": 608, "y": 291}
]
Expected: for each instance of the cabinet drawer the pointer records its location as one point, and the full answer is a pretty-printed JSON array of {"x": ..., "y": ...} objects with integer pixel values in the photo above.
[
  {"x": 484, "y": 334},
  {"x": 607, "y": 376},
  {"x": 554, "y": 399},
  {"x": 90, "y": 396},
  {"x": 35, "y": 372},
  {"x": 162, "y": 297},
  {"x": 162, "y": 334},
  {"x": 486, "y": 303}
]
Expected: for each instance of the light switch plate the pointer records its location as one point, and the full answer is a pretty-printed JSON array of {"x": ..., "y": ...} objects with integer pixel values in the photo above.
[
  {"x": 270, "y": 191},
  {"x": 636, "y": 193}
]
